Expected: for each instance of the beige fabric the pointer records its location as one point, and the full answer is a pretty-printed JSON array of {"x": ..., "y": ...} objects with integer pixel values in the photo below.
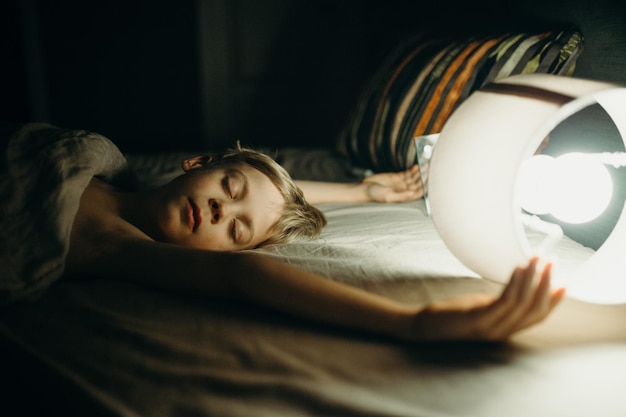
[
  {"x": 126, "y": 350},
  {"x": 42, "y": 175},
  {"x": 141, "y": 352}
]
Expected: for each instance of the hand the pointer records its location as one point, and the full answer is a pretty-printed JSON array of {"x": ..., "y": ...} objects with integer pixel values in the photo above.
[
  {"x": 394, "y": 187},
  {"x": 526, "y": 300}
]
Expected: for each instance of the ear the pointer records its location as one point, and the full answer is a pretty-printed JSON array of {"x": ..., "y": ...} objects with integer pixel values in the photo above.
[{"x": 196, "y": 162}]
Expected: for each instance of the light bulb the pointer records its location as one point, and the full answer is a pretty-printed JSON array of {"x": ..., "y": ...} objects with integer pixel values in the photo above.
[
  {"x": 582, "y": 188},
  {"x": 574, "y": 188}
]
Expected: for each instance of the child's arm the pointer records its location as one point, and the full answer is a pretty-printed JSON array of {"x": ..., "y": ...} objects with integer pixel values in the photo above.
[
  {"x": 384, "y": 187},
  {"x": 261, "y": 280}
]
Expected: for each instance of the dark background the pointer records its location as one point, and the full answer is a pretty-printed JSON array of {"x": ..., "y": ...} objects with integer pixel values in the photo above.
[{"x": 160, "y": 75}]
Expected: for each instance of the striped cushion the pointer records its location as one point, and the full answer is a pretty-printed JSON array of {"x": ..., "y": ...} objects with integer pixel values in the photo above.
[{"x": 424, "y": 79}]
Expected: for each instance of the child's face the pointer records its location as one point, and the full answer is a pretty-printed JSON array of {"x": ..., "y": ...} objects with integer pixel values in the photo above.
[{"x": 227, "y": 208}]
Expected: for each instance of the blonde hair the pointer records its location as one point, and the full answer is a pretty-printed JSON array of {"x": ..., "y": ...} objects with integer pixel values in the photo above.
[{"x": 299, "y": 219}]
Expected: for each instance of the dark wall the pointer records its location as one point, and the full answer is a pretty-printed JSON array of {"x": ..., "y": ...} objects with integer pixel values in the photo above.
[
  {"x": 124, "y": 69},
  {"x": 158, "y": 75},
  {"x": 14, "y": 102}
]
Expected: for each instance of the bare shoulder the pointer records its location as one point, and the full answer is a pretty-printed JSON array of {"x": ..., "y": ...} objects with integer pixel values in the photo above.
[{"x": 98, "y": 230}]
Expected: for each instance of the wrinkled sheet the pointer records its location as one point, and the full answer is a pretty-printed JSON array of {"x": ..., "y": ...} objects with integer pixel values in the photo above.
[
  {"x": 118, "y": 349},
  {"x": 43, "y": 173}
]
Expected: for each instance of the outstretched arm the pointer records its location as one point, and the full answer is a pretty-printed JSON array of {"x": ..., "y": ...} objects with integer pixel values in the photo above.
[
  {"x": 384, "y": 188},
  {"x": 259, "y": 279},
  {"x": 524, "y": 302}
]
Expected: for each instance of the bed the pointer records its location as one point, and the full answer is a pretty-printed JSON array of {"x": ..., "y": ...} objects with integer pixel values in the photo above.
[{"x": 111, "y": 348}]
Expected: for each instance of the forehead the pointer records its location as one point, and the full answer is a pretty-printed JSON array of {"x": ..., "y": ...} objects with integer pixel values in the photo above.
[
  {"x": 251, "y": 173},
  {"x": 248, "y": 170}
]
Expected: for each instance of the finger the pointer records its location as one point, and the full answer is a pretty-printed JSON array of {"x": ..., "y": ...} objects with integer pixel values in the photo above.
[
  {"x": 398, "y": 197},
  {"x": 519, "y": 285},
  {"x": 541, "y": 302},
  {"x": 547, "y": 300},
  {"x": 417, "y": 187},
  {"x": 515, "y": 301},
  {"x": 556, "y": 297},
  {"x": 546, "y": 297},
  {"x": 413, "y": 170},
  {"x": 489, "y": 321},
  {"x": 524, "y": 296},
  {"x": 552, "y": 299},
  {"x": 412, "y": 175},
  {"x": 540, "y": 306},
  {"x": 410, "y": 169}
]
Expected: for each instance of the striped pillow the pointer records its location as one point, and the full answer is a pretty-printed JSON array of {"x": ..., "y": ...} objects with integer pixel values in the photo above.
[{"x": 423, "y": 80}]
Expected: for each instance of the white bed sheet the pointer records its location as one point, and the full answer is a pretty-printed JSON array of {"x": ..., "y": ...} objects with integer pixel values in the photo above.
[{"x": 117, "y": 349}]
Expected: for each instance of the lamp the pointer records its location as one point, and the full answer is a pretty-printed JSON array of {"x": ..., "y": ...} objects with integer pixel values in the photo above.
[{"x": 480, "y": 163}]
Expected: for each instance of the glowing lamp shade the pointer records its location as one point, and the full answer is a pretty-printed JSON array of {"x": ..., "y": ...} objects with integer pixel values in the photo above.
[{"x": 483, "y": 172}]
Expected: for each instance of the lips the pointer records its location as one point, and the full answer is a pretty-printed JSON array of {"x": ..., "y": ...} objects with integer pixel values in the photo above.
[{"x": 194, "y": 216}]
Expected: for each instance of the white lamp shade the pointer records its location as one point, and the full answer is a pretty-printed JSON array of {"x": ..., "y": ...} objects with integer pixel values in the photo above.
[{"x": 474, "y": 172}]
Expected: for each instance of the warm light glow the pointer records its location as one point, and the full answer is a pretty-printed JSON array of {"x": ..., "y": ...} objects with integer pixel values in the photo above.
[
  {"x": 583, "y": 188},
  {"x": 474, "y": 176},
  {"x": 574, "y": 188}
]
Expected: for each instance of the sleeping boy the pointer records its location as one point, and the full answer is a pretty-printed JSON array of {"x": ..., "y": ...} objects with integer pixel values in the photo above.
[{"x": 189, "y": 235}]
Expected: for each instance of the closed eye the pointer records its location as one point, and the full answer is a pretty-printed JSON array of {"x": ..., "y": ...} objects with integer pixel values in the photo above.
[
  {"x": 233, "y": 231},
  {"x": 235, "y": 184},
  {"x": 227, "y": 186}
]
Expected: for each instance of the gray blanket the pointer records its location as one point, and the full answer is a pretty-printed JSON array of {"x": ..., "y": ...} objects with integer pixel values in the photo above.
[{"x": 42, "y": 176}]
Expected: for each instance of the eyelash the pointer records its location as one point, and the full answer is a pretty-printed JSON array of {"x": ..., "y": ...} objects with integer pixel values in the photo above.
[
  {"x": 226, "y": 185},
  {"x": 229, "y": 192},
  {"x": 233, "y": 231}
]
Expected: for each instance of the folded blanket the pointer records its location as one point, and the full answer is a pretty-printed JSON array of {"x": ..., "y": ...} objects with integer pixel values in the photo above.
[{"x": 43, "y": 173}]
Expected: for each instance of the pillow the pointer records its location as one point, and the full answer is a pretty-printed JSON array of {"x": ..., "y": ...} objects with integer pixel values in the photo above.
[{"x": 424, "y": 79}]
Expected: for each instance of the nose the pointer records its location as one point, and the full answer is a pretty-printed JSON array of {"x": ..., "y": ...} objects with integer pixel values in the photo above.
[{"x": 216, "y": 211}]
